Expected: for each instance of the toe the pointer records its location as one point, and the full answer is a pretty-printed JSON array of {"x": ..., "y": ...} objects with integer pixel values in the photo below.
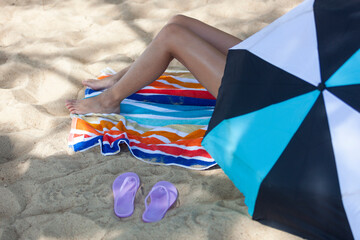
[
  {"x": 69, "y": 103},
  {"x": 85, "y": 82}
]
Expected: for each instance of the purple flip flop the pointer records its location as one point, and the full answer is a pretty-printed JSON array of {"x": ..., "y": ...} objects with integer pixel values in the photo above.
[
  {"x": 163, "y": 195},
  {"x": 125, "y": 187}
]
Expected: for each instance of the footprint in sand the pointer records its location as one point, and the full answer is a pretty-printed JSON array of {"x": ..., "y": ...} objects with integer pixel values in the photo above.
[
  {"x": 3, "y": 58},
  {"x": 60, "y": 226},
  {"x": 9, "y": 205}
]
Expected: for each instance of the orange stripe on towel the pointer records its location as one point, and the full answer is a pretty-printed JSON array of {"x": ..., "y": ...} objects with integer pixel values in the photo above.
[
  {"x": 172, "y": 80},
  {"x": 83, "y": 125}
]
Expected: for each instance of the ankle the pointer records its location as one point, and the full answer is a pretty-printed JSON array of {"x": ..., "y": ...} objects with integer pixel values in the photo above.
[{"x": 109, "y": 99}]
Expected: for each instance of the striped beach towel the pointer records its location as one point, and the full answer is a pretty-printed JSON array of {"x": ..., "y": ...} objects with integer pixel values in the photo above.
[{"x": 163, "y": 123}]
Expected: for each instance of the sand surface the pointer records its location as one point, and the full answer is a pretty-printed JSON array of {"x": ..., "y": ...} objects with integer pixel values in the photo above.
[{"x": 49, "y": 192}]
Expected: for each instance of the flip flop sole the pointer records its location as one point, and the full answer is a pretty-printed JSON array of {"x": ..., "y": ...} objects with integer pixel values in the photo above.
[
  {"x": 163, "y": 195},
  {"x": 124, "y": 188}
]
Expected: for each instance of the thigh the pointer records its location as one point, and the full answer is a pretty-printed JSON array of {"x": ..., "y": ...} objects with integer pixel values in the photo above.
[
  {"x": 219, "y": 39},
  {"x": 204, "y": 61}
]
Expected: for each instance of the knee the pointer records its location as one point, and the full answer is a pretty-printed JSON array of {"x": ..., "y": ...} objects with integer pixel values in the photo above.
[
  {"x": 168, "y": 32},
  {"x": 176, "y": 25},
  {"x": 178, "y": 19}
]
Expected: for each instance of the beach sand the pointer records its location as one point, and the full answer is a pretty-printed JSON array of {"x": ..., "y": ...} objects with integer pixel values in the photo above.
[{"x": 49, "y": 192}]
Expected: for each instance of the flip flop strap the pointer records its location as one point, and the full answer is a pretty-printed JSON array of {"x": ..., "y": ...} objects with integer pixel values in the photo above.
[
  {"x": 154, "y": 189},
  {"x": 126, "y": 182}
]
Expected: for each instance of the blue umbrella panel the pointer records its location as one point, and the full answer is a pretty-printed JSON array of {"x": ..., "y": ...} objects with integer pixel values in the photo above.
[{"x": 286, "y": 126}]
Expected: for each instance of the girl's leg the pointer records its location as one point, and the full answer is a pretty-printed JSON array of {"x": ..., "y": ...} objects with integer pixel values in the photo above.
[
  {"x": 220, "y": 40},
  {"x": 105, "y": 83},
  {"x": 202, "y": 59}
]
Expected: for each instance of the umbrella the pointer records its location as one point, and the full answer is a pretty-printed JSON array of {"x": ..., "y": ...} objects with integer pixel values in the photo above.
[{"x": 286, "y": 126}]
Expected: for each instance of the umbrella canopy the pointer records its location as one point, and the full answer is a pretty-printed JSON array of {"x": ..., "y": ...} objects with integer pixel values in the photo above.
[{"x": 286, "y": 126}]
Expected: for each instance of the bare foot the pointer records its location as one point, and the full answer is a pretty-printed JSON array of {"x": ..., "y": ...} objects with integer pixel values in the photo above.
[
  {"x": 100, "y": 84},
  {"x": 98, "y": 104}
]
